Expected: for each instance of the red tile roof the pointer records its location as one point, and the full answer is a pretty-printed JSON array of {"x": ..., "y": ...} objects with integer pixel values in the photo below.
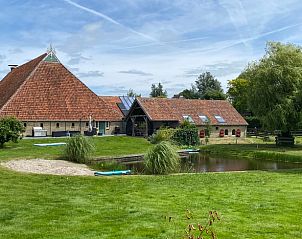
[
  {"x": 43, "y": 90},
  {"x": 161, "y": 109},
  {"x": 112, "y": 101}
]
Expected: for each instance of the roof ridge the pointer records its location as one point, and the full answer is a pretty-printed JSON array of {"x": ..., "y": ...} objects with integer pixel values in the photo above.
[{"x": 23, "y": 83}]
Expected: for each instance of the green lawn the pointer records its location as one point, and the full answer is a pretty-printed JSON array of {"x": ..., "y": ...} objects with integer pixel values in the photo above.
[
  {"x": 253, "y": 148},
  {"x": 252, "y": 205},
  {"x": 105, "y": 146}
]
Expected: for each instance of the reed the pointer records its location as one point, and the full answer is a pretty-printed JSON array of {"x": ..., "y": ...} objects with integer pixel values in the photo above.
[
  {"x": 78, "y": 149},
  {"x": 162, "y": 159}
]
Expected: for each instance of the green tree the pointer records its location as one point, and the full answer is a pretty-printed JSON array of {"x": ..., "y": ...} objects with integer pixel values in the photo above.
[
  {"x": 10, "y": 130},
  {"x": 238, "y": 94},
  {"x": 131, "y": 93},
  {"x": 190, "y": 93},
  {"x": 275, "y": 83},
  {"x": 206, "y": 87},
  {"x": 158, "y": 91},
  {"x": 209, "y": 87}
]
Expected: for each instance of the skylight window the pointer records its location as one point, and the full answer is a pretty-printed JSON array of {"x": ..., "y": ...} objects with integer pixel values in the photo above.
[
  {"x": 204, "y": 118},
  {"x": 219, "y": 119},
  {"x": 188, "y": 118}
]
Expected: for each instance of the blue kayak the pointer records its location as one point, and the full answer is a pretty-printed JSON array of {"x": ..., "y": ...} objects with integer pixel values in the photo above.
[
  {"x": 50, "y": 144},
  {"x": 111, "y": 173}
]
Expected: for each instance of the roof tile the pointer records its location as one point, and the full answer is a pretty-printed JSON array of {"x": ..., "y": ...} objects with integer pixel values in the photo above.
[
  {"x": 40, "y": 90},
  {"x": 161, "y": 109}
]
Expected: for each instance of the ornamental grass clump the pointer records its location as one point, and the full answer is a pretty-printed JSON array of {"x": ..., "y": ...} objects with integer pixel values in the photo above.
[
  {"x": 78, "y": 149},
  {"x": 162, "y": 159}
]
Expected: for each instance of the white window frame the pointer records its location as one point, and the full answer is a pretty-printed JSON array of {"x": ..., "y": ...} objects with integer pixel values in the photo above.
[
  {"x": 204, "y": 118},
  {"x": 189, "y": 119},
  {"x": 107, "y": 124},
  {"x": 218, "y": 117}
]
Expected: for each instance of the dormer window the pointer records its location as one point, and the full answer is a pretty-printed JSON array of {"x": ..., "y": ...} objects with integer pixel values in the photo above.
[
  {"x": 219, "y": 119},
  {"x": 188, "y": 118},
  {"x": 204, "y": 118}
]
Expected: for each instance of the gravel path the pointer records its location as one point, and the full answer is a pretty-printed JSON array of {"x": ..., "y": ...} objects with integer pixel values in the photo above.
[{"x": 42, "y": 166}]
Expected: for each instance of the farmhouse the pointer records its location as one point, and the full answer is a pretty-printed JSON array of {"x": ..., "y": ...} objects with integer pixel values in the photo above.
[
  {"x": 43, "y": 93},
  {"x": 149, "y": 114}
]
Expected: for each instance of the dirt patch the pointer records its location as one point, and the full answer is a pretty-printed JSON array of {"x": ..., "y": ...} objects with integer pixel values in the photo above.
[{"x": 42, "y": 166}]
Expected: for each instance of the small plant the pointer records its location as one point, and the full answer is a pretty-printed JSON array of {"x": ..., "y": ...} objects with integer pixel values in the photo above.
[
  {"x": 199, "y": 231},
  {"x": 207, "y": 140},
  {"x": 162, "y": 159},
  {"x": 78, "y": 149}
]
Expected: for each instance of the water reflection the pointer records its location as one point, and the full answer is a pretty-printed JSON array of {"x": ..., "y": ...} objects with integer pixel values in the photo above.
[{"x": 205, "y": 163}]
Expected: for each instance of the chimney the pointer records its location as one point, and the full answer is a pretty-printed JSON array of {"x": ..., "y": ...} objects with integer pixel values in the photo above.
[{"x": 12, "y": 66}]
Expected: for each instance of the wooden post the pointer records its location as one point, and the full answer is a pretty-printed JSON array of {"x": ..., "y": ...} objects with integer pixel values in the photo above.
[
  {"x": 146, "y": 120},
  {"x": 133, "y": 121}
]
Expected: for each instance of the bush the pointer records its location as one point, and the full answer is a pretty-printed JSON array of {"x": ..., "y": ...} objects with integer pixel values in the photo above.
[
  {"x": 186, "y": 134},
  {"x": 78, "y": 149},
  {"x": 163, "y": 134},
  {"x": 10, "y": 130},
  {"x": 162, "y": 159}
]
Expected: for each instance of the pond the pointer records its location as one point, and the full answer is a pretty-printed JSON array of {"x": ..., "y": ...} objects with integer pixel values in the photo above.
[{"x": 205, "y": 163}]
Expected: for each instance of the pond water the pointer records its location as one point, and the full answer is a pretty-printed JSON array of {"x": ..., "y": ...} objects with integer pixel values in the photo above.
[{"x": 204, "y": 163}]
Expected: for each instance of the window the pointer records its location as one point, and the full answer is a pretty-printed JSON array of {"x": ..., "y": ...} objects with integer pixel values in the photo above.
[
  {"x": 188, "y": 118},
  {"x": 226, "y": 132},
  {"x": 233, "y": 132},
  {"x": 72, "y": 125},
  {"x": 97, "y": 124},
  {"x": 107, "y": 124},
  {"x": 219, "y": 119},
  {"x": 87, "y": 124},
  {"x": 24, "y": 125},
  {"x": 217, "y": 128},
  {"x": 58, "y": 125},
  {"x": 204, "y": 118},
  {"x": 41, "y": 125}
]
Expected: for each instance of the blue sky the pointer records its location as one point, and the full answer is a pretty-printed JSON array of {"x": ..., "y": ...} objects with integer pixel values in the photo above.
[{"x": 116, "y": 45}]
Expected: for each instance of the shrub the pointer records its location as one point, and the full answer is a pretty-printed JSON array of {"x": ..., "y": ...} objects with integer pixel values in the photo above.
[
  {"x": 186, "y": 134},
  {"x": 163, "y": 134},
  {"x": 78, "y": 149},
  {"x": 162, "y": 159},
  {"x": 10, "y": 130}
]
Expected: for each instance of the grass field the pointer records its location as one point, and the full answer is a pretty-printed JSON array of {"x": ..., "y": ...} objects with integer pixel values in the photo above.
[
  {"x": 105, "y": 146},
  {"x": 252, "y": 205},
  {"x": 252, "y": 151}
]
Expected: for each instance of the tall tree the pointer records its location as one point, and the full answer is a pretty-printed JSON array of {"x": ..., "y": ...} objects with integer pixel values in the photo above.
[
  {"x": 158, "y": 91},
  {"x": 209, "y": 87},
  {"x": 275, "y": 85},
  {"x": 206, "y": 87},
  {"x": 238, "y": 94}
]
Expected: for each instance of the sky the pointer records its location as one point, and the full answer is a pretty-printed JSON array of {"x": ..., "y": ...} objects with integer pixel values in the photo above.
[{"x": 116, "y": 45}]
